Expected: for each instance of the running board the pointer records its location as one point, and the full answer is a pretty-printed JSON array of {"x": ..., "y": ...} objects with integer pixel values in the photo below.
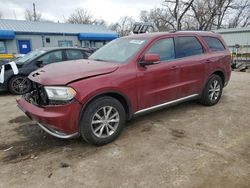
[{"x": 166, "y": 104}]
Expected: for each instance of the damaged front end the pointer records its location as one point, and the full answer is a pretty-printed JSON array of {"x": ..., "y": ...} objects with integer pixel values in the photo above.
[
  {"x": 37, "y": 96},
  {"x": 59, "y": 120}
]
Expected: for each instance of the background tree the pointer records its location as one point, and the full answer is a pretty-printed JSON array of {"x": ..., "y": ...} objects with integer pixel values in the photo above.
[
  {"x": 29, "y": 16},
  {"x": 240, "y": 16},
  {"x": 32, "y": 15},
  {"x": 124, "y": 26},
  {"x": 178, "y": 10},
  {"x": 210, "y": 14},
  {"x": 99, "y": 22},
  {"x": 80, "y": 16},
  {"x": 198, "y": 14},
  {"x": 159, "y": 17}
]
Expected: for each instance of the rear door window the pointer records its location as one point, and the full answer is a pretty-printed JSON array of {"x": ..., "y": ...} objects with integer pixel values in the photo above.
[
  {"x": 164, "y": 48},
  {"x": 74, "y": 54},
  {"x": 188, "y": 46},
  {"x": 214, "y": 44}
]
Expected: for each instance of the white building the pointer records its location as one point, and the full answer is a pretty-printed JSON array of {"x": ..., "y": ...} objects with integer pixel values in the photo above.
[{"x": 19, "y": 36}]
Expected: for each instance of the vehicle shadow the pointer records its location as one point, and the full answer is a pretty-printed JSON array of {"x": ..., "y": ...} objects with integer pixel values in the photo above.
[
  {"x": 4, "y": 93},
  {"x": 35, "y": 142}
]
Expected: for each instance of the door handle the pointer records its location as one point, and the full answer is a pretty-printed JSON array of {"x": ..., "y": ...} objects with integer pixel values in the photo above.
[{"x": 174, "y": 67}]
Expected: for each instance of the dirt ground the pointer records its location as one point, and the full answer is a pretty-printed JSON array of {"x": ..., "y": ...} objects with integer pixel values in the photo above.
[{"x": 188, "y": 145}]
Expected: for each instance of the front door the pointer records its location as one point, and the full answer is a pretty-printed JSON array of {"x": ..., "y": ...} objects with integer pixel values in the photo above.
[
  {"x": 159, "y": 82},
  {"x": 24, "y": 46}
]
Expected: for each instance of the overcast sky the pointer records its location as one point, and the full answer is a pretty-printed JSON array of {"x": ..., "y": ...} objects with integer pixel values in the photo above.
[{"x": 58, "y": 10}]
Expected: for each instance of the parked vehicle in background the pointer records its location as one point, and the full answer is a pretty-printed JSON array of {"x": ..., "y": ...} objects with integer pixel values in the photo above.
[
  {"x": 127, "y": 77},
  {"x": 13, "y": 75}
]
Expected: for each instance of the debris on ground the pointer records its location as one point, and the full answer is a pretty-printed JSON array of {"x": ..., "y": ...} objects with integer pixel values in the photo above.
[
  {"x": 8, "y": 149},
  {"x": 64, "y": 165}
]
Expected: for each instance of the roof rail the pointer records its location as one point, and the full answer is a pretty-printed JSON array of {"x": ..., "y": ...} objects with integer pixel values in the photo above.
[{"x": 174, "y": 31}]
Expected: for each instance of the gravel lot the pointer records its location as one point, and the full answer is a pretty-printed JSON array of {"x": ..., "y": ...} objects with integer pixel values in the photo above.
[{"x": 188, "y": 145}]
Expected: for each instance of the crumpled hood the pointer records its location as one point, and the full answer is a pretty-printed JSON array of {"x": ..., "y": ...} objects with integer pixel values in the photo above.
[{"x": 65, "y": 72}]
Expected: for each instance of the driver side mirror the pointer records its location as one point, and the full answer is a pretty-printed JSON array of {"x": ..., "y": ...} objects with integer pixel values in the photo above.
[
  {"x": 39, "y": 63},
  {"x": 150, "y": 59}
]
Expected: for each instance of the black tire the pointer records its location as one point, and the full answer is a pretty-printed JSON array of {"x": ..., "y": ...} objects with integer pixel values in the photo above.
[
  {"x": 207, "y": 98},
  {"x": 19, "y": 85},
  {"x": 89, "y": 116}
]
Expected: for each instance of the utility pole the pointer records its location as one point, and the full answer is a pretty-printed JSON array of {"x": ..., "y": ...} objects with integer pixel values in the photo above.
[{"x": 34, "y": 12}]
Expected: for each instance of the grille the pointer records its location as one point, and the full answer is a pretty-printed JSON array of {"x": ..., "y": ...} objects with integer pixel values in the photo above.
[{"x": 37, "y": 96}]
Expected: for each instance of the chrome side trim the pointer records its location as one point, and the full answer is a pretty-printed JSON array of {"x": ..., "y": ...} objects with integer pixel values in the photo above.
[
  {"x": 57, "y": 133},
  {"x": 166, "y": 104}
]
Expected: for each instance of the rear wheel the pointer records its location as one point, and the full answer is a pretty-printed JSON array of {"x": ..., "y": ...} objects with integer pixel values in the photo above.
[
  {"x": 102, "y": 121},
  {"x": 212, "y": 91},
  {"x": 19, "y": 85}
]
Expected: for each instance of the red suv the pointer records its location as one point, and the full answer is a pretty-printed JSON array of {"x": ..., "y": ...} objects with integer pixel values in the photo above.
[{"x": 129, "y": 76}]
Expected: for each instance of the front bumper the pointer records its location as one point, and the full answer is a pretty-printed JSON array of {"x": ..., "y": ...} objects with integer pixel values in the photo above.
[{"x": 58, "y": 120}]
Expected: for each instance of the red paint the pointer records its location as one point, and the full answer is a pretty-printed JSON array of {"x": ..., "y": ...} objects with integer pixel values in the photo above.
[{"x": 142, "y": 87}]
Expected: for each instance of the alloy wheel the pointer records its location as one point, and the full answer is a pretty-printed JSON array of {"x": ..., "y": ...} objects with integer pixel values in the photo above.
[
  {"x": 214, "y": 90},
  {"x": 20, "y": 85},
  {"x": 105, "y": 122}
]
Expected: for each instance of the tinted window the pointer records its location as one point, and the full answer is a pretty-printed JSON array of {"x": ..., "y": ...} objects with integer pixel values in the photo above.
[
  {"x": 188, "y": 46},
  {"x": 74, "y": 54},
  {"x": 214, "y": 44},
  {"x": 51, "y": 57},
  {"x": 164, "y": 48}
]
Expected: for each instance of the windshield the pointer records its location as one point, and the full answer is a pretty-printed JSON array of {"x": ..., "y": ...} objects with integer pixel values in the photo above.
[
  {"x": 30, "y": 56},
  {"x": 119, "y": 50}
]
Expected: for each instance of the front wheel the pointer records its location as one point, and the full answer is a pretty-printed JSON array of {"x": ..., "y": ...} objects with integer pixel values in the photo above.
[
  {"x": 19, "y": 85},
  {"x": 212, "y": 92},
  {"x": 102, "y": 121}
]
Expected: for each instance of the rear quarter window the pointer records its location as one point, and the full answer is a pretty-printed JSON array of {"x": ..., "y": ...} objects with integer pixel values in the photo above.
[
  {"x": 188, "y": 46},
  {"x": 214, "y": 44}
]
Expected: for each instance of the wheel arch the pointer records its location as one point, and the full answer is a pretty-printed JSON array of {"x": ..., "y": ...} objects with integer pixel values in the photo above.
[
  {"x": 221, "y": 74},
  {"x": 115, "y": 94}
]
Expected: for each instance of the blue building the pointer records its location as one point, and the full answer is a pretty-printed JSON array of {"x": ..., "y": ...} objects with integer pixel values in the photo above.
[{"x": 18, "y": 36}]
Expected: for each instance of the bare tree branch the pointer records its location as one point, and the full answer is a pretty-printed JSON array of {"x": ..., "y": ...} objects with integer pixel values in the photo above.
[
  {"x": 30, "y": 16},
  {"x": 124, "y": 26},
  {"x": 241, "y": 15},
  {"x": 178, "y": 10},
  {"x": 159, "y": 17},
  {"x": 80, "y": 16}
]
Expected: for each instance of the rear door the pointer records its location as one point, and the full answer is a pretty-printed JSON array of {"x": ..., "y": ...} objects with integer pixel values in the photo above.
[
  {"x": 158, "y": 82},
  {"x": 220, "y": 57},
  {"x": 192, "y": 62}
]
